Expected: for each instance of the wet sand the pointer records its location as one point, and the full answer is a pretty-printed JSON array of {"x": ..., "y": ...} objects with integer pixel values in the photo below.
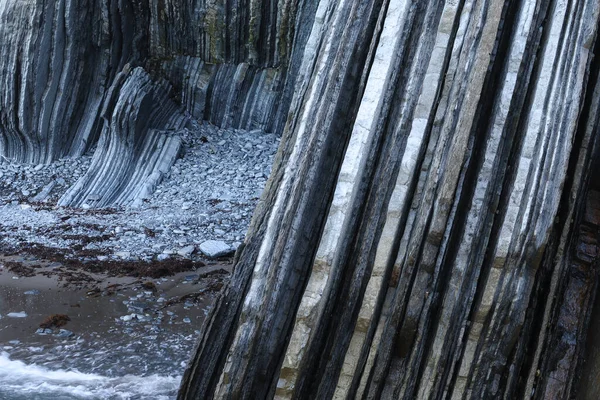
[{"x": 117, "y": 326}]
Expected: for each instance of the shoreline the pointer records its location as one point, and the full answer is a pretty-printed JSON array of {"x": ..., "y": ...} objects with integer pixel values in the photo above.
[{"x": 115, "y": 325}]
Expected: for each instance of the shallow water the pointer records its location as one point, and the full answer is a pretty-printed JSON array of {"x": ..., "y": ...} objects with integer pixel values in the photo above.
[
  {"x": 21, "y": 381},
  {"x": 109, "y": 354}
]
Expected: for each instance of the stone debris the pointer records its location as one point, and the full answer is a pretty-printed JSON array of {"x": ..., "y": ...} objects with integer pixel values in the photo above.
[
  {"x": 186, "y": 251},
  {"x": 21, "y": 314},
  {"x": 209, "y": 194},
  {"x": 215, "y": 248}
]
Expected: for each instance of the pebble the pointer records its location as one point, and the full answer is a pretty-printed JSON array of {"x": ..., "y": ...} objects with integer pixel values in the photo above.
[
  {"x": 123, "y": 254},
  {"x": 21, "y": 314},
  {"x": 64, "y": 333},
  {"x": 186, "y": 251},
  {"x": 209, "y": 194},
  {"x": 215, "y": 248},
  {"x": 129, "y": 317}
]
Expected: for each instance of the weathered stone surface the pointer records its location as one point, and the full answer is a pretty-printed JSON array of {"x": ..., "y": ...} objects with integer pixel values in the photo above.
[
  {"x": 229, "y": 64},
  {"x": 58, "y": 60},
  {"x": 229, "y": 95},
  {"x": 215, "y": 248},
  {"x": 430, "y": 227},
  {"x": 450, "y": 257},
  {"x": 135, "y": 150}
]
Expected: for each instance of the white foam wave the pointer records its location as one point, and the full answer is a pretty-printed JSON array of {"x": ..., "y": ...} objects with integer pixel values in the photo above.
[{"x": 36, "y": 381}]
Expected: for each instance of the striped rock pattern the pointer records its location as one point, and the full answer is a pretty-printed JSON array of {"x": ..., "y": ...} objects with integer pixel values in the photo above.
[
  {"x": 430, "y": 229},
  {"x": 431, "y": 225},
  {"x": 229, "y": 95},
  {"x": 135, "y": 150},
  {"x": 58, "y": 60},
  {"x": 228, "y": 62}
]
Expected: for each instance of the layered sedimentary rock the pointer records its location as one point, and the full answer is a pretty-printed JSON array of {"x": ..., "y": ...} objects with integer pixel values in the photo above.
[
  {"x": 228, "y": 62},
  {"x": 58, "y": 60},
  {"x": 136, "y": 149},
  {"x": 431, "y": 226},
  {"x": 229, "y": 95}
]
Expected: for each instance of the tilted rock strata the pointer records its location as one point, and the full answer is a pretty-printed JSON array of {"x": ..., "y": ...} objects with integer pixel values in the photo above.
[
  {"x": 453, "y": 255},
  {"x": 229, "y": 62},
  {"x": 56, "y": 66},
  {"x": 135, "y": 150},
  {"x": 229, "y": 95},
  {"x": 428, "y": 231}
]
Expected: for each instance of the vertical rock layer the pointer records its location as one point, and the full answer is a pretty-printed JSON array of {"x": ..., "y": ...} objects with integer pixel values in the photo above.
[
  {"x": 58, "y": 60},
  {"x": 135, "y": 150},
  {"x": 430, "y": 229},
  {"x": 228, "y": 61}
]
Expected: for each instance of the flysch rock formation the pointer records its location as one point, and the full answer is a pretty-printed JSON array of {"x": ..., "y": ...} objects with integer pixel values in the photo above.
[
  {"x": 430, "y": 227},
  {"x": 63, "y": 63},
  {"x": 134, "y": 147}
]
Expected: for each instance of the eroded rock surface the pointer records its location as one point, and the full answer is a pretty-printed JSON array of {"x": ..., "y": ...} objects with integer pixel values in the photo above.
[
  {"x": 135, "y": 150},
  {"x": 429, "y": 229},
  {"x": 74, "y": 73},
  {"x": 208, "y": 194},
  {"x": 451, "y": 256}
]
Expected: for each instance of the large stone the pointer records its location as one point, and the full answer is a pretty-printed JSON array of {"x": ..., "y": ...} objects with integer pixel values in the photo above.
[{"x": 215, "y": 248}]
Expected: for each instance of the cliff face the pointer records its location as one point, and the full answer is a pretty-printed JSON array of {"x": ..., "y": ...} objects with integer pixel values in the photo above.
[
  {"x": 431, "y": 226},
  {"x": 63, "y": 64}
]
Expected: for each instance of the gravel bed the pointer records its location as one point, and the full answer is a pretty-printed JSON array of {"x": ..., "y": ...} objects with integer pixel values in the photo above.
[{"x": 209, "y": 195}]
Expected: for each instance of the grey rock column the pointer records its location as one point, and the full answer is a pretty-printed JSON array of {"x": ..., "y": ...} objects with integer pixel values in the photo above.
[{"x": 451, "y": 258}]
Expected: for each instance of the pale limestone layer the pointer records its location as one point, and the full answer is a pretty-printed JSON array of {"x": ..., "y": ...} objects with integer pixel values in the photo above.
[
  {"x": 430, "y": 227},
  {"x": 435, "y": 258}
]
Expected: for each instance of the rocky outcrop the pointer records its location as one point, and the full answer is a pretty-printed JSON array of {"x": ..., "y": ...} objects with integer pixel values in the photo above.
[
  {"x": 429, "y": 230},
  {"x": 229, "y": 95},
  {"x": 58, "y": 59},
  {"x": 136, "y": 149},
  {"x": 229, "y": 63}
]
